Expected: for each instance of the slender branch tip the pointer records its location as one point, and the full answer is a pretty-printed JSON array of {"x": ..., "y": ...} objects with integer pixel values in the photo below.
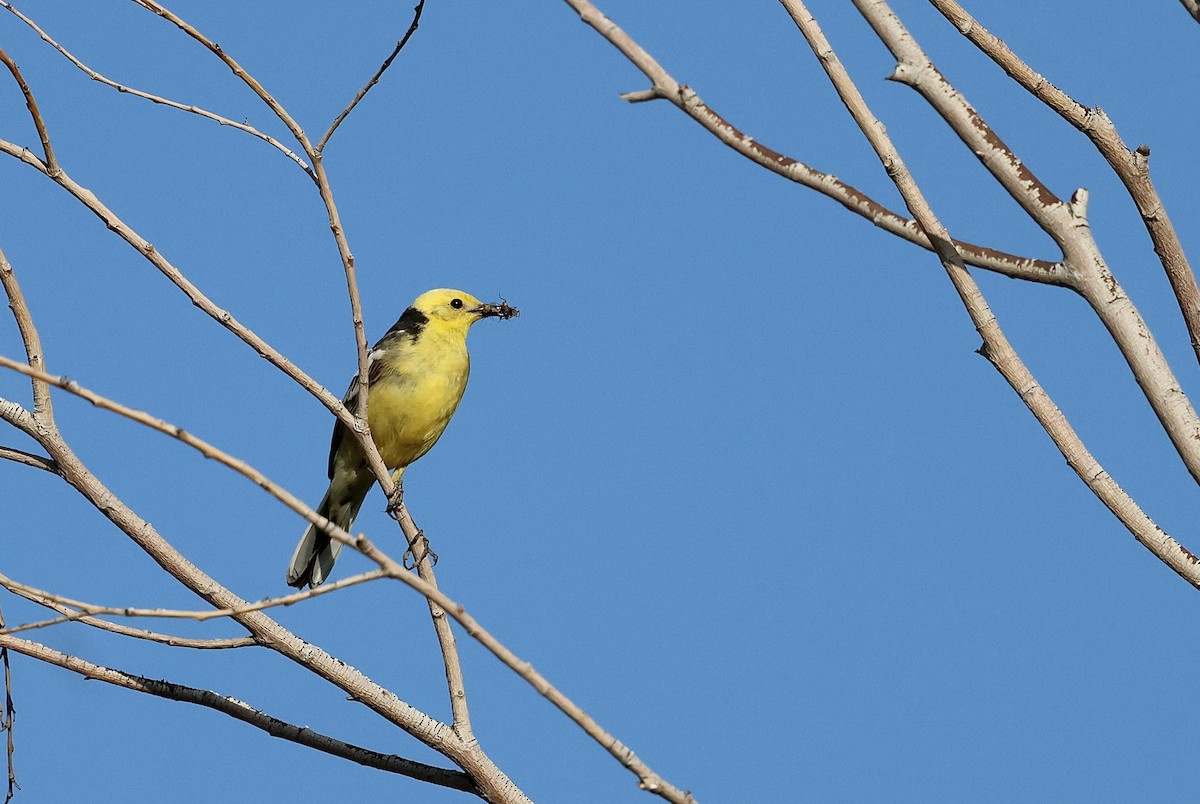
[{"x": 641, "y": 95}]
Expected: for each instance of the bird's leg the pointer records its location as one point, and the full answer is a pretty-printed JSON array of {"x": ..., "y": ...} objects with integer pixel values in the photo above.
[
  {"x": 418, "y": 549},
  {"x": 397, "y": 498},
  {"x": 418, "y": 545}
]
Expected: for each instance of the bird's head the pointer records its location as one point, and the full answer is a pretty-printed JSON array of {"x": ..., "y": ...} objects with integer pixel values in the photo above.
[{"x": 456, "y": 310}]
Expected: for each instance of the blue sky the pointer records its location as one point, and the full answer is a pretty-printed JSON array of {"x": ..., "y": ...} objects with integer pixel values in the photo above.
[{"x": 735, "y": 481}]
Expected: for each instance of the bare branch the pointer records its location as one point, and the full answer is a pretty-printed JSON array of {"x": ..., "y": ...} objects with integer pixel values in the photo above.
[
  {"x": 6, "y": 721},
  {"x": 1131, "y": 167},
  {"x": 147, "y": 249},
  {"x": 18, "y": 417},
  {"x": 245, "y": 613},
  {"x": 34, "y": 112},
  {"x": 1066, "y": 222},
  {"x": 265, "y": 631},
  {"x": 456, "y": 686},
  {"x": 76, "y": 611},
  {"x": 200, "y": 445},
  {"x": 171, "y": 640},
  {"x": 249, "y": 80},
  {"x": 359, "y": 426},
  {"x": 271, "y": 634},
  {"x": 686, "y": 99},
  {"x": 245, "y": 713},
  {"x": 199, "y": 299},
  {"x": 42, "y": 407},
  {"x": 51, "y": 599},
  {"x": 362, "y": 93},
  {"x": 137, "y": 93},
  {"x": 388, "y": 566},
  {"x": 996, "y": 347},
  {"x": 28, "y": 458}
]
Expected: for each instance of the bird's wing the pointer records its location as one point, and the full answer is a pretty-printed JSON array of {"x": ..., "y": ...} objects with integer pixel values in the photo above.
[{"x": 350, "y": 400}]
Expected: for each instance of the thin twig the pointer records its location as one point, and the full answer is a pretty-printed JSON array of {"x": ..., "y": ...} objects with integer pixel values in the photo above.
[
  {"x": 42, "y": 406},
  {"x": 362, "y": 93},
  {"x": 455, "y": 684},
  {"x": 272, "y": 635},
  {"x": 492, "y": 782},
  {"x": 6, "y": 722},
  {"x": 1066, "y": 222},
  {"x": 359, "y": 425},
  {"x": 392, "y": 569},
  {"x": 200, "y": 445},
  {"x": 34, "y": 112},
  {"x": 245, "y": 713},
  {"x": 137, "y": 93},
  {"x": 171, "y": 640},
  {"x": 28, "y": 458},
  {"x": 238, "y": 70},
  {"x": 50, "y": 598},
  {"x": 226, "y": 319},
  {"x": 687, "y": 100},
  {"x": 1131, "y": 167},
  {"x": 996, "y": 347},
  {"x": 74, "y": 611}
]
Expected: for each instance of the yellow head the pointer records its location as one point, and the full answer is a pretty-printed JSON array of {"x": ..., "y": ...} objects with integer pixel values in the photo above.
[{"x": 446, "y": 309}]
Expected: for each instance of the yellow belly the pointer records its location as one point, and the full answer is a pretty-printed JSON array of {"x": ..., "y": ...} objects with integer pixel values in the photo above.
[{"x": 410, "y": 406}]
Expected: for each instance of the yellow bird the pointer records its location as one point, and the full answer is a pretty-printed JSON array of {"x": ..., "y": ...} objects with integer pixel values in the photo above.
[{"x": 417, "y": 375}]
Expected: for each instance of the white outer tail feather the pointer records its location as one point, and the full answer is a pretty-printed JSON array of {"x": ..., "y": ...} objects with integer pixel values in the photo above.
[{"x": 316, "y": 553}]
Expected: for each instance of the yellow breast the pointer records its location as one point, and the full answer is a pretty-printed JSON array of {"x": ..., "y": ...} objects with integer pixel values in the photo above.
[{"x": 417, "y": 393}]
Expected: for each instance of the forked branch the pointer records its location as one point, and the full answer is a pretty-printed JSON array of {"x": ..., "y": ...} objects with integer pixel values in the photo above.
[
  {"x": 362, "y": 93},
  {"x": 454, "y": 743},
  {"x": 28, "y": 458},
  {"x": 137, "y": 93},
  {"x": 6, "y": 721},
  {"x": 687, "y": 100},
  {"x": 1160, "y": 385},
  {"x": 1085, "y": 269},
  {"x": 997, "y": 348},
  {"x": 1132, "y": 167}
]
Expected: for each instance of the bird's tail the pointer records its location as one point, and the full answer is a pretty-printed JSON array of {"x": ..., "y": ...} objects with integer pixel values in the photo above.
[{"x": 316, "y": 552}]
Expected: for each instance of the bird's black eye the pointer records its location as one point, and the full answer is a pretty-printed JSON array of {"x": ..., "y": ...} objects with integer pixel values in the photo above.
[{"x": 456, "y": 304}]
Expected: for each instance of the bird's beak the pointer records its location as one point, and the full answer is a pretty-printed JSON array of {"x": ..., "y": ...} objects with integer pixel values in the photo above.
[{"x": 501, "y": 310}]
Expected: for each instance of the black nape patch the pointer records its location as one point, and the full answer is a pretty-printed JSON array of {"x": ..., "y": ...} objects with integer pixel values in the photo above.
[{"x": 412, "y": 322}]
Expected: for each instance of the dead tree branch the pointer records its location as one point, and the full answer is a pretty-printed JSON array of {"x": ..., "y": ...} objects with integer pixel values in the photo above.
[
  {"x": 6, "y": 721},
  {"x": 1065, "y": 222},
  {"x": 27, "y": 458},
  {"x": 137, "y": 93},
  {"x": 687, "y": 100},
  {"x": 1131, "y": 167},
  {"x": 362, "y": 93}
]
